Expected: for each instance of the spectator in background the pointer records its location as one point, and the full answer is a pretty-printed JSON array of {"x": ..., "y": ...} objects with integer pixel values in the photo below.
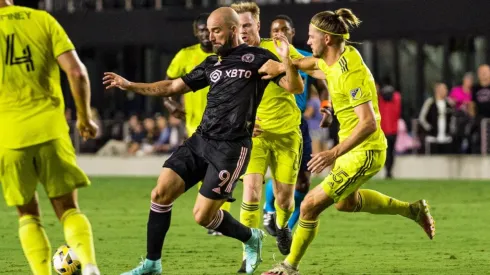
[
  {"x": 461, "y": 95},
  {"x": 435, "y": 117},
  {"x": 480, "y": 105},
  {"x": 314, "y": 117},
  {"x": 390, "y": 108},
  {"x": 137, "y": 135},
  {"x": 461, "y": 98},
  {"x": 171, "y": 137}
]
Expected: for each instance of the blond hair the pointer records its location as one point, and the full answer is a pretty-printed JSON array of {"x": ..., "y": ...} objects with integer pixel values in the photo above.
[
  {"x": 338, "y": 23},
  {"x": 243, "y": 7}
]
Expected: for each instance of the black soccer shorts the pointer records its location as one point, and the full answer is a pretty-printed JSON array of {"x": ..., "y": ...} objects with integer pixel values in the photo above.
[{"x": 217, "y": 163}]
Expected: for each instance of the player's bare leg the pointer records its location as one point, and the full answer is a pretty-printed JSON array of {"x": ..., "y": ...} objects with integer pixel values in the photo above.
[
  {"x": 169, "y": 187},
  {"x": 33, "y": 238},
  {"x": 365, "y": 200},
  {"x": 78, "y": 231},
  {"x": 207, "y": 213},
  {"x": 284, "y": 204},
  {"x": 315, "y": 202}
]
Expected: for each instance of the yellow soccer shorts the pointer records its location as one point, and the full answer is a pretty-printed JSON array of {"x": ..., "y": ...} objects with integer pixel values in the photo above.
[
  {"x": 281, "y": 152},
  {"x": 352, "y": 170},
  {"x": 52, "y": 163}
]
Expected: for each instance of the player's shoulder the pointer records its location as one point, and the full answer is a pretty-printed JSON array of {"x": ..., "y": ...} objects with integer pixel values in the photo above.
[{"x": 351, "y": 60}]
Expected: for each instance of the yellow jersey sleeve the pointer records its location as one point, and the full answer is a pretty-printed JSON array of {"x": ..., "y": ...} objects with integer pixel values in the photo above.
[
  {"x": 293, "y": 53},
  {"x": 359, "y": 92},
  {"x": 60, "y": 41},
  {"x": 176, "y": 68}
]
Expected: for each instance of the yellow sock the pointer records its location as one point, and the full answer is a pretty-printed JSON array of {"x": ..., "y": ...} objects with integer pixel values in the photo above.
[
  {"x": 249, "y": 216},
  {"x": 226, "y": 207},
  {"x": 282, "y": 216},
  {"x": 35, "y": 244},
  {"x": 78, "y": 235},
  {"x": 376, "y": 203},
  {"x": 302, "y": 238}
]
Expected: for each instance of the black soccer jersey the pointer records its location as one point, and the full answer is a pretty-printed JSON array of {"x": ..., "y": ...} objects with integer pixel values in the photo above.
[{"x": 236, "y": 89}]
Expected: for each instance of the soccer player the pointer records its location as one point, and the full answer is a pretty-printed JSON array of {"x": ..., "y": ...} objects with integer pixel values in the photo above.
[
  {"x": 194, "y": 103},
  {"x": 361, "y": 152},
  {"x": 283, "y": 24},
  {"x": 219, "y": 150},
  {"x": 34, "y": 144},
  {"x": 278, "y": 143}
]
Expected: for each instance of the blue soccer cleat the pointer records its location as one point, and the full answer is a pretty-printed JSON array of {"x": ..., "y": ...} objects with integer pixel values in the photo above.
[
  {"x": 146, "y": 267},
  {"x": 253, "y": 250}
]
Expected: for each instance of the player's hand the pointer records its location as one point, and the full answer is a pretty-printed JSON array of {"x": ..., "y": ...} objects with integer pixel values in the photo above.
[
  {"x": 174, "y": 108},
  {"x": 87, "y": 128},
  {"x": 113, "y": 80},
  {"x": 321, "y": 161},
  {"x": 282, "y": 45},
  {"x": 271, "y": 69},
  {"x": 327, "y": 118},
  {"x": 257, "y": 129}
]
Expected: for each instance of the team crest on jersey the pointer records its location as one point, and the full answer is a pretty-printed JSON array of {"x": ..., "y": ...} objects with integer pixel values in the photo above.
[
  {"x": 215, "y": 76},
  {"x": 249, "y": 58},
  {"x": 356, "y": 93}
]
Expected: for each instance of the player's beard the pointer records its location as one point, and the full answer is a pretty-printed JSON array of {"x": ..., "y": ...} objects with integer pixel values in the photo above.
[
  {"x": 223, "y": 49},
  {"x": 319, "y": 52}
]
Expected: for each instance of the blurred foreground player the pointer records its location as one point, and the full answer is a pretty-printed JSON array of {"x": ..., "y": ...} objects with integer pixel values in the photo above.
[
  {"x": 219, "y": 151},
  {"x": 361, "y": 152},
  {"x": 194, "y": 103},
  {"x": 37, "y": 147}
]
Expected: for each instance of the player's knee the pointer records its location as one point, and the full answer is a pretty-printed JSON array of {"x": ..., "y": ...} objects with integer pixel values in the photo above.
[
  {"x": 345, "y": 206},
  {"x": 63, "y": 203},
  {"x": 307, "y": 208},
  {"x": 31, "y": 208},
  {"x": 161, "y": 196},
  {"x": 202, "y": 217}
]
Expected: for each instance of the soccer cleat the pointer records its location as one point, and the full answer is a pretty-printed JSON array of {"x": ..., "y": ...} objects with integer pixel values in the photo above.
[
  {"x": 270, "y": 223},
  {"x": 214, "y": 232},
  {"x": 146, "y": 267},
  {"x": 424, "y": 218},
  {"x": 253, "y": 251},
  {"x": 90, "y": 269},
  {"x": 282, "y": 269},
  {"x": 243, "y": 267},
  {"x": 284, "y": 240}
]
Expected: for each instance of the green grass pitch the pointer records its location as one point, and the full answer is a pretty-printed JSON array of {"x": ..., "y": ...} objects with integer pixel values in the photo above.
[{"x": 347, "y": 243}]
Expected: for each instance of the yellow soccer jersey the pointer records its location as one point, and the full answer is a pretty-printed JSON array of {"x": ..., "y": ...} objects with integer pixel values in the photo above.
[
  {"x": 278, "y": 111},
  {"x": 350, "y": 83},
  {"x": 195, "y": 103},
  {"x": 31, "y": 100}
]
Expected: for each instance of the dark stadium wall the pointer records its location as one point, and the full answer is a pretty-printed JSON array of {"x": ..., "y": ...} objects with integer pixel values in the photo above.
[{"x": 170, "y": 28}]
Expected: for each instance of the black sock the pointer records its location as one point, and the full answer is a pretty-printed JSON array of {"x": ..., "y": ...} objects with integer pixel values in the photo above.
[
  {"x": 157, "y": 227},
  {"x": 224, "y": 223}
]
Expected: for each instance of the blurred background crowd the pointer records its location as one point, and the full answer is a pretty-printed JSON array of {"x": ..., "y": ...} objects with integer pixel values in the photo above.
[{"x": 434, "y": 93}]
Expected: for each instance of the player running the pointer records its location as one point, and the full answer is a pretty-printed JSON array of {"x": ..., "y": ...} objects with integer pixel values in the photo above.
[
  {"x": 283, "y": 24},
  {"x": 278, "y": 144},
  {"x": 362, "y": 149},
  {"x": 194, "y": 103},
  {"x": 35, "y": 145},
  {"x": 219, "y": 151}
]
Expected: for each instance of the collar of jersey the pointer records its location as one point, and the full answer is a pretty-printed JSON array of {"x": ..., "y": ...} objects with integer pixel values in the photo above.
[{"x": 228, "y": 52}]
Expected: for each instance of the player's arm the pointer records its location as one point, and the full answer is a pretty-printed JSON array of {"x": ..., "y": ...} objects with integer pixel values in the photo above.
[
  {"x": 308, "y": 65},
  {"x": 367, "y": 125},
  {"x": 292, "y": 80},
  {"x": 79, "y": 81},
  {"x": 359, "y": 96},
  {"x": 164, "y": 88}
]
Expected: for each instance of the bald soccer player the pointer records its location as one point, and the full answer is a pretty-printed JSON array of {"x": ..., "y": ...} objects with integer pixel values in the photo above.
[{"x": 218, "y": 152}]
